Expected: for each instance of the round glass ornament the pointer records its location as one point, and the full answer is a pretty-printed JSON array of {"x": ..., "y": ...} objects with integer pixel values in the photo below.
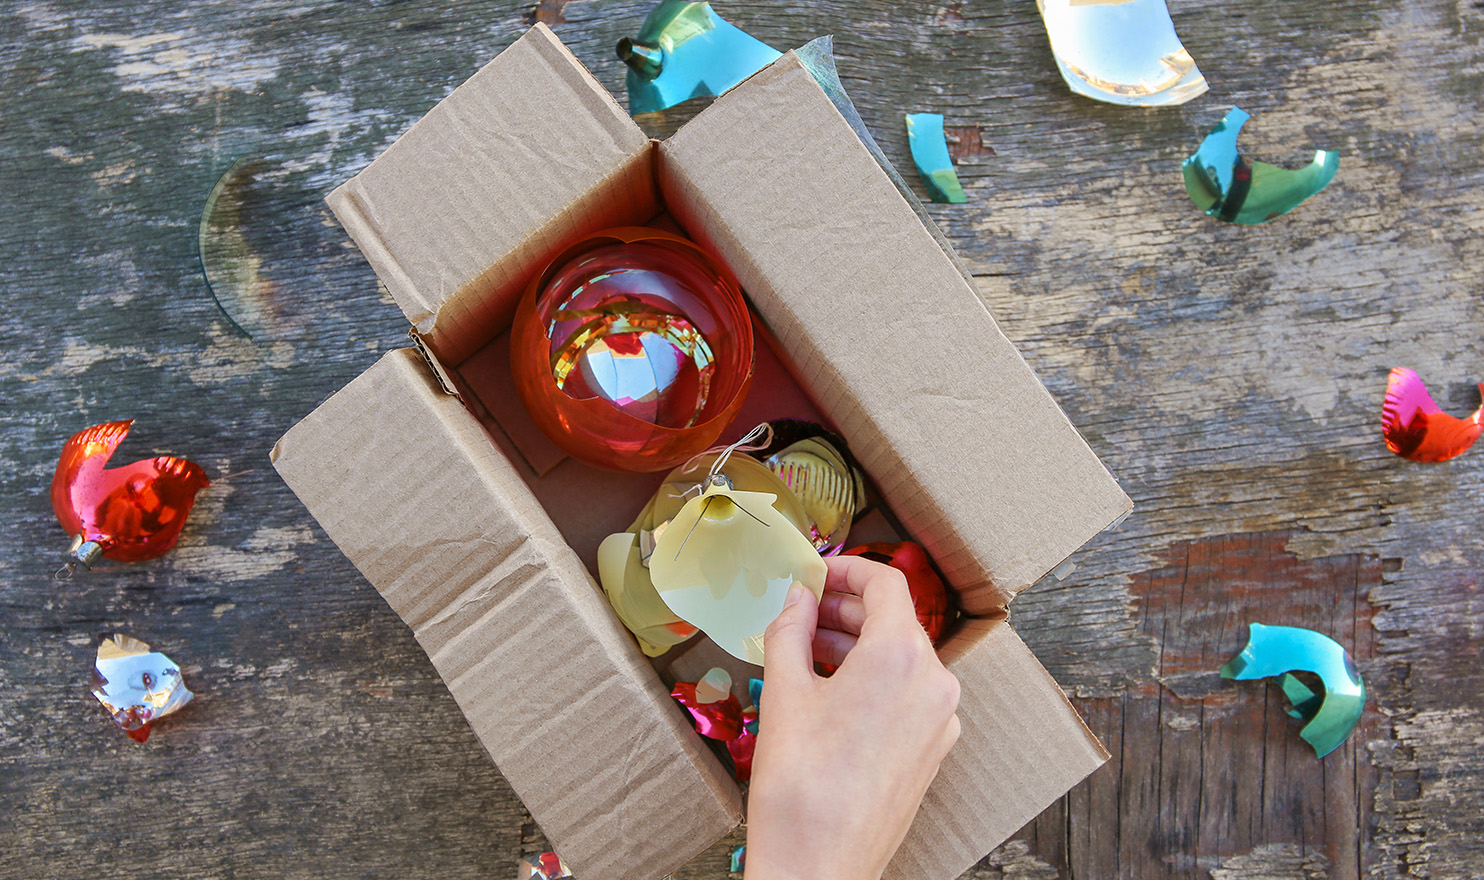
[{"x": 633, "y": 349}]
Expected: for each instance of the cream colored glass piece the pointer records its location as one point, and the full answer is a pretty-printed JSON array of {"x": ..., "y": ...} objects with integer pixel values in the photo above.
[
  {"x": 725, "y": 565},
  {"x": 1121, "y": 51},
  {"x": 623, "y": 562},
  {"x": 626, "y": 582},
  {"x": 714, "y": 686},
  {"x": 682, "y": 484}
]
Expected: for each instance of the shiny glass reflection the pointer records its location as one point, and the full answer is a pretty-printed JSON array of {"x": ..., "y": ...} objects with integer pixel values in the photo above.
[
  {"x": 1417, "y": 429},
  {"x": 136, "y": 685},
  {"x": 1121, "y": 51}
]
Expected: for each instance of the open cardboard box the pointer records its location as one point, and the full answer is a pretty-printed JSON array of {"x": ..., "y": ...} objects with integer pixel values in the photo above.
[{"x": 483, "y": 543}]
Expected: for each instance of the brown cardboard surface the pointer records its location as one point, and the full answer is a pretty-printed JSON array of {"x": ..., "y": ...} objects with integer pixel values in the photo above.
[
  {"x": 964, "y": 443},
  {"x": 1021, "y": 748},
  {"x": 406, "y": 482},
  {"x": 480, "y": 190},
  {"x": 482, "y": 555}
]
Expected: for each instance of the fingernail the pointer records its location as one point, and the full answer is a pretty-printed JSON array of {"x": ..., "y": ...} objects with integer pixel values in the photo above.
[{"x": 795, "y": 593}]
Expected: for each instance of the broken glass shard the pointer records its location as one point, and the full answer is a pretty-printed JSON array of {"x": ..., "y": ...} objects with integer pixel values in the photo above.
[
  {"x": 232, "y": 267},
  {"x": 1281, "y": 652},
  {"x": 1417, "y": 429},
  {"x": 816, "y": 465},
  {"x": 727, "y": 561},
  {"x": 717, "y": 719},
  {"x": 1121, "y": 51},
  {"x": 1229, "y": 186},
  {"x": 714, "y": 686},
  {"x": 546, "y": 866},
  {"x": 136, "y": 685},
  {"x": 930, "y": 154},
  {"x": 685, "y": 50}
]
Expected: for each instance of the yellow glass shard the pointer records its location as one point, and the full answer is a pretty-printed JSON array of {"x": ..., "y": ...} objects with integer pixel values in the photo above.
[
  {"x": 623, "y": 558},
  {"x": 626, "y": 582},
  {"x": 726, "y": 563}
]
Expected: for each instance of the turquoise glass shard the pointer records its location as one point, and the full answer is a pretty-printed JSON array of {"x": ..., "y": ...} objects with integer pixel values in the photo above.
[
  {"x": 685, "y": 50},
  {"x": 1121, "y": 51},
  {"x": 1281, "y": 651},
  {"x": 1229, "y": 186},
  {"x": 930, "y": 154}
]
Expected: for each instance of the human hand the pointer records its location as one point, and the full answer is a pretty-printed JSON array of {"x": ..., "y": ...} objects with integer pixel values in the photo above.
[{"x": 842, "y": 763}]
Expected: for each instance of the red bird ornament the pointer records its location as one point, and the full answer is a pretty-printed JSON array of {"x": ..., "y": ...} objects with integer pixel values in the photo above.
[
  {"x": 125, "y": 514},
  {"x": 1416, "y": 428}
]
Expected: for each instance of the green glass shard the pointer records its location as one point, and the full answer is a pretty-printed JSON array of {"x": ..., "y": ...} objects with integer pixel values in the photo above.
[
  {"x": 229, "y": 263},
  {"x": 1229, "y": 186}
]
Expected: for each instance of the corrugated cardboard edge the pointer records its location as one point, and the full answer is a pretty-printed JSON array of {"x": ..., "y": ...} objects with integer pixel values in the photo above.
[
  {"x": 407, "y": 483},
  {"x": 418, "y": 211},
  {"x": 848, "y": 316},
  {"x": 1020, "y": 734}
]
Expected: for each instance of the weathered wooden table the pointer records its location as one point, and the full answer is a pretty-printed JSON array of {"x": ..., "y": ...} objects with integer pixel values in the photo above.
[{"x": 1231, "y": 377}]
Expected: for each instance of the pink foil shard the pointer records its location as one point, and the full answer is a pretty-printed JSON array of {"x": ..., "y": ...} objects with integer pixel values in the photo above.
[{"x": 1416, "y": 428}]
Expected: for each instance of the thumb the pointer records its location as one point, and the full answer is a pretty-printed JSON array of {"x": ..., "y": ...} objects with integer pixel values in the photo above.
[{"x": 788, "y": 645}]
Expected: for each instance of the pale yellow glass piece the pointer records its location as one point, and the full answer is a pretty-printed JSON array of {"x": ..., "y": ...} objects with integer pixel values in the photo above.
[
  {"x": 626, "y": 582},
  {"x": 725, "y": 565},
  {"x": 745, "y": 472}
]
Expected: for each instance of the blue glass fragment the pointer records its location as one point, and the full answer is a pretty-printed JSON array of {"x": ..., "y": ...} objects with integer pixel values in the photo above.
[
  {"x": 685, "y": 50},
  {"x": 1279, "y": 651},
  {"x": 930, "y": 154}
]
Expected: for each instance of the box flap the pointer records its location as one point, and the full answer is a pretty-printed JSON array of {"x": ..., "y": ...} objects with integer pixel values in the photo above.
[
  {"x": 409, "y": 486},
  {"x": 479, "y": 191},
  {"x": 1022, "y": 747},
  {"x": 894, "y": 344}
]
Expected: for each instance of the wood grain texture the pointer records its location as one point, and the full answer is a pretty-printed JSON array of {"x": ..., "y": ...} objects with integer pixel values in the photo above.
[{"x": 1230, "y": 377}]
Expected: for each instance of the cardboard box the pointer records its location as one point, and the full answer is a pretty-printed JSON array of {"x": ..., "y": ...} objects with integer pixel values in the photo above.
[{"x": 484, "y": 545}]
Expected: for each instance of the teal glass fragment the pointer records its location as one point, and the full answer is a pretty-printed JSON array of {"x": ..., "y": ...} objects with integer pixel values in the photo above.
[
  {"x": 739, "y": 859},
  {"x": 1229, "y": 186},
  {"x": 930, "y": 154},
  {"x": 1280, "y": 651},
  {"x": 755, "y": 694},
  {"x": 1121, "y": 51},
  {"x": 685, "y": 50}
]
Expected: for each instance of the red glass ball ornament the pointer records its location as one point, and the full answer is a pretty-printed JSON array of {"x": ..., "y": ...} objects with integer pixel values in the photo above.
[
  {"x": 129, "y": 513},
  {"x": 929, "y": 596},
  {"x": 633, "y": 349}
]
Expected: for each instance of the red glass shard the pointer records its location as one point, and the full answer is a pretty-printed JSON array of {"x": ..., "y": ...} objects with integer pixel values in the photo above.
[
  {"x": 134, "y": 512},
  {"x": 1416, "y": 428}
]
